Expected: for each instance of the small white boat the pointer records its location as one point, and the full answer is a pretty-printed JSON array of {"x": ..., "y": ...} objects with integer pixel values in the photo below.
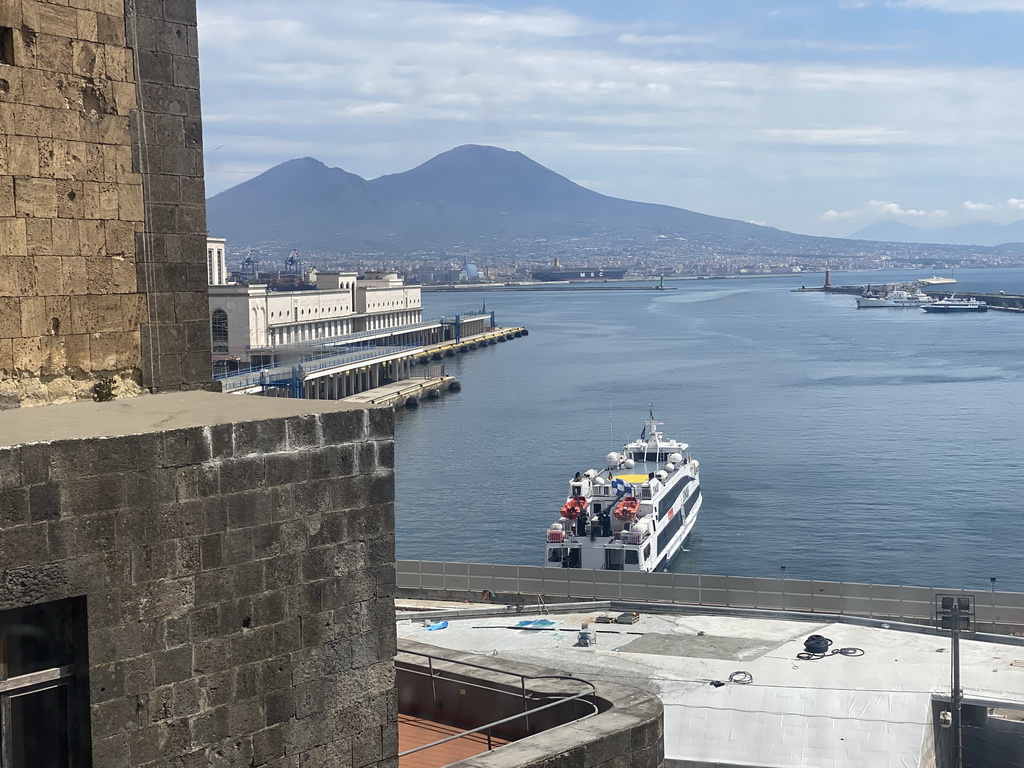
[
  {"x": 634, "y": 514},
  {"x": 953, "y": 304},
  {"x": 896, "y": 298}
]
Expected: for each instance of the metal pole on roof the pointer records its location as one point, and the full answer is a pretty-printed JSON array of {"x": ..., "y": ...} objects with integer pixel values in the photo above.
[
  {"x": 957, "y": 694},
  {"x": 992, "y": 579}
]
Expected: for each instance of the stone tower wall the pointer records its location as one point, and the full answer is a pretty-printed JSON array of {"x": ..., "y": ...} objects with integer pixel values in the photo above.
[
  {"x": 101, "y": 199},
  {"x": 238, "y": 576}
]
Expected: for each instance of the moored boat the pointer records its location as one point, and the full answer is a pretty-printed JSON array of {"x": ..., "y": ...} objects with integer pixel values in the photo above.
[
  {"x": 634, "y": 514},
  {"x": 896, "y": 298},
  {"x": 953, "y": 304}
]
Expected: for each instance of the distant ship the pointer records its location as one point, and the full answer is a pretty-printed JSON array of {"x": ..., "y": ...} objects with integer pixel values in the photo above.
[
  {"x": 583, "y": 273},
  {"x": 953, "y": 304},
  {"x": 897, "y": 298},
  {"x": 557, "y": 272}
]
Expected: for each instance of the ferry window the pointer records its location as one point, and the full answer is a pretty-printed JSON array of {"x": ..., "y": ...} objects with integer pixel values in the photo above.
[
  {"x": 43, "y": 691},
  {"x": 631, "y": 557},
  {"x": 554, "y": 555},
  {"x": 647, "y": 552}
]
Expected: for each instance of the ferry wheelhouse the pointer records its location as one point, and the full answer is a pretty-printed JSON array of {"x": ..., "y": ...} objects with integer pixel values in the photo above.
[{"x": 634, "y": 514}]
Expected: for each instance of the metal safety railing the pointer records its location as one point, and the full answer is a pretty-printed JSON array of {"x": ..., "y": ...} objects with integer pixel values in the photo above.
[
  {"x": 487, "y": 728},
  {"x": 251, "y": 377},
  {"x": 995, "y": 611}
]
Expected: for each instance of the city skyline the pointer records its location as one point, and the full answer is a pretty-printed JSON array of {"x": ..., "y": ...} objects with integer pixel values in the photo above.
[{"x": 815, "y": 117}]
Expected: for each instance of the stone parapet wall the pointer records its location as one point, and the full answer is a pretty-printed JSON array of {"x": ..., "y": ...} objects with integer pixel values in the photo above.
[{"x": 238, "y": 576}]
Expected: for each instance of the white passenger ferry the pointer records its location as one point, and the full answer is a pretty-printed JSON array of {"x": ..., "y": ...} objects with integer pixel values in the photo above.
[
  {"x": 633, "y": 515},
  {"x": 897, "y": 298}
]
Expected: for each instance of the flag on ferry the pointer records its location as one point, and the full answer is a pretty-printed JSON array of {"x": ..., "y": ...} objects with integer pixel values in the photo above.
[
  {"x": 643, "y": 433},
  {"x": 620, "y": 486}
]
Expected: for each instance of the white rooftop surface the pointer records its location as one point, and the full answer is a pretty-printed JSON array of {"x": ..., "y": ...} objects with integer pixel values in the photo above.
[{"x": 835, "y": 712}]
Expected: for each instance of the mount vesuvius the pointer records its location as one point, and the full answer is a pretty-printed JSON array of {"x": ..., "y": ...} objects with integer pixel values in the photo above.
[{"x": 470, "y": 195}]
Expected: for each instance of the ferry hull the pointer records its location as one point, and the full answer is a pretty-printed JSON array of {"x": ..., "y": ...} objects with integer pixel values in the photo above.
[
  {"x": 586, "y": 273},
  {"x": 947, "y": 310}
]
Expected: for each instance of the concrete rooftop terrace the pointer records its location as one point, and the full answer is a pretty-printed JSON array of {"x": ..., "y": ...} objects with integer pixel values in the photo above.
[
  {"x": 835, "y": 712},
  {"x": 149, "y": 414}
]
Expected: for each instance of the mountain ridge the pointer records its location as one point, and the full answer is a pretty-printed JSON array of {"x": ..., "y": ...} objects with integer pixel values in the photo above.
[
  {"x": 980, "y": 233},
  {"x": 465, "y": 196}
]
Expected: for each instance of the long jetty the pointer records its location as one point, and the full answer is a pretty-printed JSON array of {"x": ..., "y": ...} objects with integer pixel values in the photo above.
[{"x": 1004, "y": 302}]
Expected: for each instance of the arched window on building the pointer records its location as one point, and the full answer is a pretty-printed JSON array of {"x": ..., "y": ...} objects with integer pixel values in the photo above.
[{"x": 219, "y": 331}]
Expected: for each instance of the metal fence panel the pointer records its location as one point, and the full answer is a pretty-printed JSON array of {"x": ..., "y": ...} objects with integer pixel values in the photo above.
[
  {"x": 633, "y": 586},
  {"x": 917, "y": 603},
  {"x": 659, "y": 587},
  {"x": 742, "y": 592},
  {"x": 685, "y": 588},
  {"x": 581, "y": 585},
  {"x": 908, "y": 602},
  {"x": 457, "y": 569},
  {"x": 555, "y": 582},
  {"x": 607, "y": 585},
  {"x": 826, "y": 597}
]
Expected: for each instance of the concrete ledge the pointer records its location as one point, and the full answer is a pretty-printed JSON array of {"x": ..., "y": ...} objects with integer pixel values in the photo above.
[
  {"x": 629, "y": 732},
  {"x": 149, "y": 414}
]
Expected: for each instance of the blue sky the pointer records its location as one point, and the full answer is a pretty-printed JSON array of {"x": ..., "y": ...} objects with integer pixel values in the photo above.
[{"x": 816, "y": 116}]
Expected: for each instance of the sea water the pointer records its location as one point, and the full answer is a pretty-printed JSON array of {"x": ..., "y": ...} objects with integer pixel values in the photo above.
[{"x": 872, "y": 445}]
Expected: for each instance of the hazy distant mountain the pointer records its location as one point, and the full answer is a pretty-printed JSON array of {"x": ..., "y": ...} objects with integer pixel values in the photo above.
[
  {"x": 979, "y": 233},
  {"x": 469, "y": 194}
]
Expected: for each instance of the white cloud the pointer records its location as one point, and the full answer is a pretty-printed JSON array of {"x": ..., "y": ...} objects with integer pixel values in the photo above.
[
  {"x": 1015, "y": 202},
  {"x": 839, "y": 136},
  {"x": 970, "y": 206},
  {"x": 880, "y": 210},
  {"x": 631, "y": 38},
  {"x": 380, "y": 87},
  {"x": 961, "y": 6}
]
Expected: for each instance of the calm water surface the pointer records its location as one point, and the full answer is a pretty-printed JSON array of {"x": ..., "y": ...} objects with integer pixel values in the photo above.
[{"x": 879, "y": 445}]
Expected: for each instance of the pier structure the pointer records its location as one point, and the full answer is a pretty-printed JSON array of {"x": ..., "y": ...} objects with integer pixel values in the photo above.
[
  {"x": 343, "y": 371},
  {"x": 1000, "y": 301}
]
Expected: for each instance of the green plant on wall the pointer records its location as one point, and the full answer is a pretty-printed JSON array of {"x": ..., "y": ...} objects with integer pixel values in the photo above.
[{"x": 104, "y": 390}]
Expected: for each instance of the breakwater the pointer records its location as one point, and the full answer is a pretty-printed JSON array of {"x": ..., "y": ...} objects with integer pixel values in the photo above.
[{"x": 999, "y": 301}]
